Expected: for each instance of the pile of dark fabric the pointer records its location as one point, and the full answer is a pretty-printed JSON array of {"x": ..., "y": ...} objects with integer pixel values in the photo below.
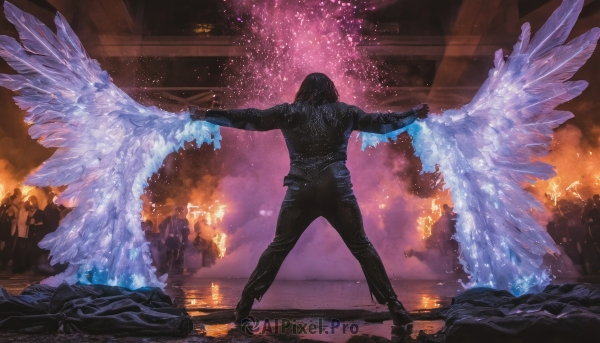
[
  {"x": 560, "y": 313},
  {"x": 92, "y": 309}
]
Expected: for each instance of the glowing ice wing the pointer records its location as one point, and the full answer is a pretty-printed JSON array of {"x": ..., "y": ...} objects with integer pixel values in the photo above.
[
  {"x": 107, "y": 147},
  {"x": 488, "y": 149}
]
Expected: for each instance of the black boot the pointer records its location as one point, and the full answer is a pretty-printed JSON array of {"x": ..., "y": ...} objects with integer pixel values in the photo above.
[
  {"x": 399, "y": 314},
  {"x": 243, "y": 308}
]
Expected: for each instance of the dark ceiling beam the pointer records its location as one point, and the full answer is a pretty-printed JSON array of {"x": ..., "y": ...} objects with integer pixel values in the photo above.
[
  {"x": 162, "y": 46},
  {"x": 538, "y": 17},
  {"x": 432, "y": 48},
  {"x": 107, "y": 16},
  {"x": 390, "y": 98},
  {"x": 65, "y": 7},
  {"x": 475, "y": 20},
  {"x": 110, "y": 16},
  {"x": 43, "y": 14}
]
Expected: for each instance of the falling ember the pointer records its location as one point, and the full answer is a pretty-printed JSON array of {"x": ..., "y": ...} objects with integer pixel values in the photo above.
[
  {"x": 573, "y": 188},
  {"x": 220, "y": 240},
  {"x": 552, "y": 191}
]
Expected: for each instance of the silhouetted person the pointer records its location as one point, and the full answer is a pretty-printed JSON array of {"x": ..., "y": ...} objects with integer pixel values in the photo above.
[
  {"x": 185, "y": 234},
  {"x": 52, "y": 218},
  {"x": 11, "y": 216},
  {"x": 172, "y": 230},
  {"x": 36, "y": 231},
  {"x": 21, "y": 258},
  {"x": 52, "y": 215},
  {"x": 595, "y": 215},
  {"x": 316, "y": 128},
  {"x": 148, "y": 227},
  {"x": 571, "y": 230},
  {"x": 206, "y": 247},
  {"x": 589, "y": 246},
  {"x": 5, "y": 228},
  {"x": 552, "y": 230},
  {"x": 452, "y": 244}
]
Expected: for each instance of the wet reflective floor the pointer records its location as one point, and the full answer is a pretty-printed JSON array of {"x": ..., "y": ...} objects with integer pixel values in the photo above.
[
  {"x": 204, "y": 296},
  {"x": 201, "y": 296}
]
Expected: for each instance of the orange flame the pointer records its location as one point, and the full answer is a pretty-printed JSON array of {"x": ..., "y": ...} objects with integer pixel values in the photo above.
[
  {"x": 220, "y": 240},
  {"x": 212, "y": 214},
  {"x": 576, "y": 165},
  {"x": 424, "y": 225},
  {"x": 425, "y": 222}
]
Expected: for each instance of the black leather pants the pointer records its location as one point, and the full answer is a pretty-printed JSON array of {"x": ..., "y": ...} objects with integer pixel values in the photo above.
[{"x": 330, "y": 195}]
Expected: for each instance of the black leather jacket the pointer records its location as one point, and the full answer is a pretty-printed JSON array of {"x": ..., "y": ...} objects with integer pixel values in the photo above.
[{"x": 316, "y": 137}]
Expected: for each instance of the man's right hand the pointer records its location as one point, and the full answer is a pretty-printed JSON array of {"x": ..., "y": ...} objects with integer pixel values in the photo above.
[{"x": 422, "y": 111}]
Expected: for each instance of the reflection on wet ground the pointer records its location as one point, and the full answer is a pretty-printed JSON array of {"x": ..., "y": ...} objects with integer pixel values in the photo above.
[
  {"x": 201, "y": 296},
  {"x": 15, "y": 283},
  {"x": 218, "y": 330},
  {"x": 205, "y": 296}
]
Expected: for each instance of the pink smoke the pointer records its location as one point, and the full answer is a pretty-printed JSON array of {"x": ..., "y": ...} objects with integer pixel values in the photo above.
[{"x": 287, "y": 41}]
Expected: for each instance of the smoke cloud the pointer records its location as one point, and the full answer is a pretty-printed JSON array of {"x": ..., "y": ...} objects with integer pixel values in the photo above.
[{"x": 287, "y": 41}]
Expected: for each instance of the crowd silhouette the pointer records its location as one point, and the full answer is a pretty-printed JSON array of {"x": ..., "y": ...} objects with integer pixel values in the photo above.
[
  {"x": 574, "y": 226},
  {"x": 23, "y": 224},
  {"x": 171, "y": 248}
]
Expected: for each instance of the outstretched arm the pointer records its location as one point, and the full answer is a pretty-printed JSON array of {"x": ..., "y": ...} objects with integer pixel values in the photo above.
[
  {"x": 383, "y": 123},
  {"x": 250, "y": 119}
]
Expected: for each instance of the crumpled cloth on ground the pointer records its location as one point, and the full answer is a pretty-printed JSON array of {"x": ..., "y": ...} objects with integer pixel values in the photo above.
[
  {"x": 95, "y": 309},
  {"x": 560, "y": 313}
]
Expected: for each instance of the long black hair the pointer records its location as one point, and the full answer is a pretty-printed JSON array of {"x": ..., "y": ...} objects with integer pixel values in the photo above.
[{"x": 317, "y": 89}]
